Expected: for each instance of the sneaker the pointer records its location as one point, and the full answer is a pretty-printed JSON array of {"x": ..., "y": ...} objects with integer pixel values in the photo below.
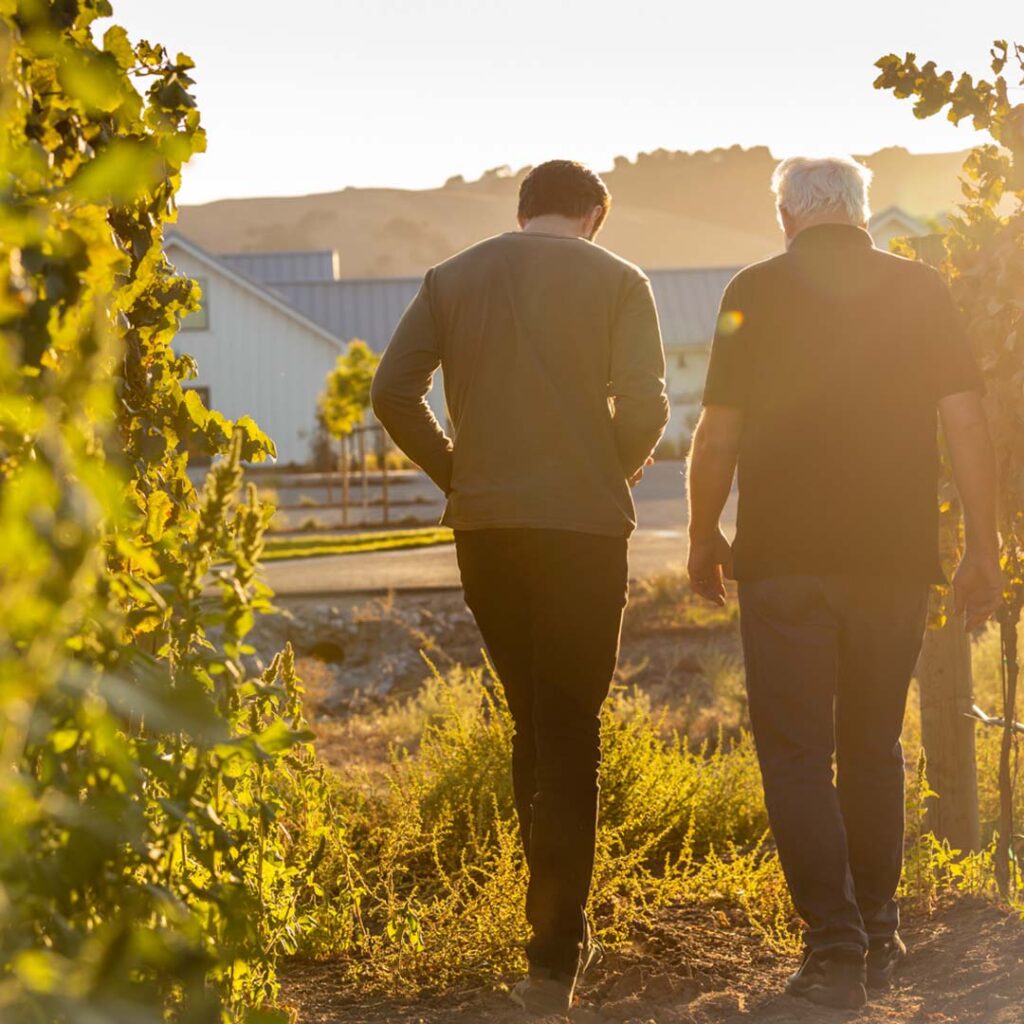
[
  {"x": 835, "y": 981},
  {"x": 884, "y": 959},
  {"x": 544, "y": 996}
]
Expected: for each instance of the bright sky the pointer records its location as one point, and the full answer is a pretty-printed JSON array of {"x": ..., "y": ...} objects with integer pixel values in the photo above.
[{"x": 313, "y": 95}]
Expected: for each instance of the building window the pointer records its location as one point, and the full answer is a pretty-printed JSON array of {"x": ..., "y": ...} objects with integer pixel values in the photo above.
[{"x": 200, "y": 319}]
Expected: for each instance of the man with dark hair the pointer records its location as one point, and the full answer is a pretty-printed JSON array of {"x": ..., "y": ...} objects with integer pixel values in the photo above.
[
  {"x": 830, "y": 369},
  {"x": 567, "y": 189},
  {"x": 554, "y": 377}
]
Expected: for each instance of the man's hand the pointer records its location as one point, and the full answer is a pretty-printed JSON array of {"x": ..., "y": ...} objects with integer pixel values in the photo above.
[
  {"x": 639, "y": 474},
  {"x": 709, "y": 564},
  {"x": 712, "y": 464},
  {"x": 978, "y": 583},
  {"x": 977, "y": 589}
]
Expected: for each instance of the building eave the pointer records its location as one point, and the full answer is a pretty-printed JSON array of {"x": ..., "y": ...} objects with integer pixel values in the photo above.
[{"x": 174, "y": 239}]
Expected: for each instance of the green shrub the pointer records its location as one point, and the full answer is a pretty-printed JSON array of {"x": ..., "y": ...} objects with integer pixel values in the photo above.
[
  {"x": 432, "y": 847},
  {"x": 434, "y": 851}
]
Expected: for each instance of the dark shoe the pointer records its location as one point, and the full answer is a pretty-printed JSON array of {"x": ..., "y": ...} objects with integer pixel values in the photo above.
[
  {"x": 836, "y": 981},
  {"x": 884, "y": 960},
  {"x": 543, "y": 996}
]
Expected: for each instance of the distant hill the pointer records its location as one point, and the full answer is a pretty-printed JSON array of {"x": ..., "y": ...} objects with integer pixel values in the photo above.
[{"x": 670, "y": 209}]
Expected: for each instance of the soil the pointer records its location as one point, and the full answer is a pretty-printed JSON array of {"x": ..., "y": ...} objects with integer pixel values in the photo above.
[{"x": 701, "y": 965}]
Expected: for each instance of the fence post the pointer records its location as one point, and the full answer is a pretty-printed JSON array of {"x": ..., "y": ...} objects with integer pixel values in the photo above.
[
  {"x": 346, "y": 466},
  {"x": 364, "y": 477},
  {"x": 947, "y": 734},
  {"x": 385, "y": 496}
]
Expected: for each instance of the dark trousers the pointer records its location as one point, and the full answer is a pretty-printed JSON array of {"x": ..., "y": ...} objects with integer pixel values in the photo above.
[
  {"x": 549, "y": 605},
  {"x": 829, "y": 660}
]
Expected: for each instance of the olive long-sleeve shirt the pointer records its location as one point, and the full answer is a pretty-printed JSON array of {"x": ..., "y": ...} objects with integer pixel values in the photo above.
[{"x": 554, "y": 378}]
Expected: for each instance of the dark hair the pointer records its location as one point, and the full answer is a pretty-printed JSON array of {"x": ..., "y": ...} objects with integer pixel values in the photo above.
[{"x": 563, "y": 187}]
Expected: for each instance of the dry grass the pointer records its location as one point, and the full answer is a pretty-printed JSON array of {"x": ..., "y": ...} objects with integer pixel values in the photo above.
[{"x": 428, "y": 838}]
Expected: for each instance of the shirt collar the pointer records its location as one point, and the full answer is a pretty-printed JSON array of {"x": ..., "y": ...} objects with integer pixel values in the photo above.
[{"x": 831, "y": 235}]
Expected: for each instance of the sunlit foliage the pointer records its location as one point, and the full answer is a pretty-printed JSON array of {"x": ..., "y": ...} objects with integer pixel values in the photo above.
[
  {"x": 982, "y": 255},
  {"x": 346, "y": 394},
  {"x": 143, "y": 871}
]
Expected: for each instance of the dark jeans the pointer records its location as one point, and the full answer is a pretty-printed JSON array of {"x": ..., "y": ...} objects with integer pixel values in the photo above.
[
  {"x": 829, "y": 661},
  {"x": 549, "y": 605}
]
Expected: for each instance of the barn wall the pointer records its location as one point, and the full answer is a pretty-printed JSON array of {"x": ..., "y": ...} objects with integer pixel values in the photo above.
[
  {"x": 686, "y": 368},
  {"x": 256, "y": 360}
]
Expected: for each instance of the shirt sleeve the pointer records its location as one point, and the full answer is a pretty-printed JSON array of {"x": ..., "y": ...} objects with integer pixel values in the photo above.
[
  {"x": 728, "y": 379},
  {"x": 637, "y": 372},
  {"x": 950, "y": 363},
  {"x": 401, "y": 384}
]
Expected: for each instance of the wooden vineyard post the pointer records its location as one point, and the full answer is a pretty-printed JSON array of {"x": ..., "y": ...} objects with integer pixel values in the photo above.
[
  {"x": 1006, "y": 876},
  {"x": 385, "y": 496},
  {"x": 364, "y": 477},
  {"x": 947, "y": 735},
  {"x": 346, "y": 466}
]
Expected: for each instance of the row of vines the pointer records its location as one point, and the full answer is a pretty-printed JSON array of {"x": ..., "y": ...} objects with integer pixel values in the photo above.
[
  {"x": 144, "y": 866},
  {"x": 982, "y": 256}
]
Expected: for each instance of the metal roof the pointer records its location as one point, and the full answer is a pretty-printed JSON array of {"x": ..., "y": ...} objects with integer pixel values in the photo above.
[
  {"x": 900, "y": 216},
  {"x": 370, "y": 308},
  {"x": 688, "y": 303},
  {"x": 278, "y": 267}
]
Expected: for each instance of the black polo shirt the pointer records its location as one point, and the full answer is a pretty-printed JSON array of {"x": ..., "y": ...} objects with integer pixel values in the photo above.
[{"x": 838, "y": 353}]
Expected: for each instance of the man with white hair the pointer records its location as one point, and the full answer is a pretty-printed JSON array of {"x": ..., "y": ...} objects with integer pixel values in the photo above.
[{"x": 828, "y": 366}]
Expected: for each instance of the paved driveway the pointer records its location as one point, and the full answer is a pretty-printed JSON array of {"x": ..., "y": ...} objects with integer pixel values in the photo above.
[{"x": 659, "y": 543}]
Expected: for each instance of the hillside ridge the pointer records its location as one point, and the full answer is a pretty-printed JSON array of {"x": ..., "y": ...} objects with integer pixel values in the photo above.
[{"x": 670, "y": 209}]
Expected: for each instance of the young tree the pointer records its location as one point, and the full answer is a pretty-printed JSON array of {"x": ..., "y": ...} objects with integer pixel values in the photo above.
[
  {"x": 346, "y": 395},
  {"x": 342, "y": 409},
  {"x": 984, "y": 263}
]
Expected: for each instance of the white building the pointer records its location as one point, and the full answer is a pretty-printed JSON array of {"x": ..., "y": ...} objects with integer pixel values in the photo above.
[
  {"x": 257, "y": 355},
  {"x": 273, "y": 324},
  {"x": 893, "y": 223}
]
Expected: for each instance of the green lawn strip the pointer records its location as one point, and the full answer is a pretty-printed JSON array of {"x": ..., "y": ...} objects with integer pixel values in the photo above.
[{"x": 348, "y": 544}]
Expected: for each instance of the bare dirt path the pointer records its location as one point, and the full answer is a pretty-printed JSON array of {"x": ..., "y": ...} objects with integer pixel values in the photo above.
[{"x": 704, "y": 966}]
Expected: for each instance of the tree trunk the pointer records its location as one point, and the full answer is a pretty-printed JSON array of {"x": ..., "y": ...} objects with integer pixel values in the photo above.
[{"x": 947, "y": 735}]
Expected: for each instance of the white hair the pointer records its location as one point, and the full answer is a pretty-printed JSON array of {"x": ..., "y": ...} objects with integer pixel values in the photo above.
[{"x": 806, "y": 187}]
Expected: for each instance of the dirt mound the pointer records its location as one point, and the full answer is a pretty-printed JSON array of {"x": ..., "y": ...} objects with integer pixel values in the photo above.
[{"x": 704, "y": 965}]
